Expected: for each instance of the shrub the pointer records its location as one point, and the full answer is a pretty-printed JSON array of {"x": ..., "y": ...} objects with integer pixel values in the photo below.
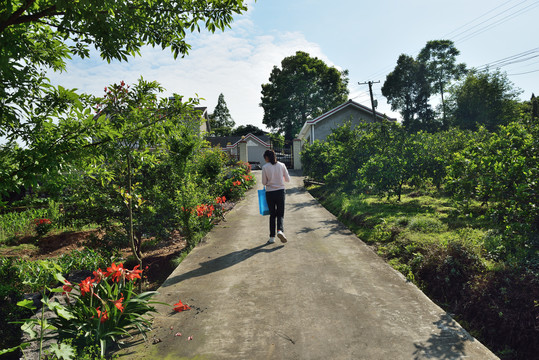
[
  {"x": 43, "y": 226},
  {"x": 211, "y": 163},
  {"x": 446, "y": 271},
  {"x": 426, "y": 224}
]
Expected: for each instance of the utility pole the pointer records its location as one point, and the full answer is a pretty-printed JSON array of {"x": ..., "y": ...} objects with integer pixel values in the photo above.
[{"x": 372, "y": 98}]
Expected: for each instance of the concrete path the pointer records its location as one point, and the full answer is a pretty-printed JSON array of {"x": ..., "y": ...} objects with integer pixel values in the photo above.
[{"x": 323, "y": 295}]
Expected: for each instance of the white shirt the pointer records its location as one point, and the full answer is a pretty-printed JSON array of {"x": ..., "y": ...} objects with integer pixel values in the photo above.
[{"x": 274, "y": 176}]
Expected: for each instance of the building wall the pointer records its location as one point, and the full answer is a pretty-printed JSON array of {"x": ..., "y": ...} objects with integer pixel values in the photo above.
[
  {"x": 325, "y": 127},
  {"x": 256, "y": 151}
]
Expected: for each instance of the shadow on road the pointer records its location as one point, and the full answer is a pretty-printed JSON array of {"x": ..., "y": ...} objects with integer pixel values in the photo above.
[
  {"x": 448, "y": 344},
  {"x": 221, "y": 263}
]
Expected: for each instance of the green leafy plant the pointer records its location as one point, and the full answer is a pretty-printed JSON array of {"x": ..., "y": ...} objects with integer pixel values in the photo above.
[
  {"x": 102, "y": 308},
  {"x": 43, "y": 226}
]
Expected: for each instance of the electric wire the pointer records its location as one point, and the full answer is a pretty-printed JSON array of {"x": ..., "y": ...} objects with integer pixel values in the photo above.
[
  {"x": 513, "y": 59},
  {"x": 524, "y": 73},
  {"x": 498, "y": 22},
  {"x": 487, "y": 20},
  {"x": 477, "y": 18}
]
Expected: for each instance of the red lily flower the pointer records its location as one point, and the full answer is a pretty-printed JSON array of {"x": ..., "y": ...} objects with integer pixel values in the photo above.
[
  {"x": 118, "y": 304},
  {"x": 85, "y": 286},
  {"x": 102, "y": 315},
  {"x": 67, "y": 287},
  {"x": 133, "y": 274},
  {"x": 116, "y": 271},
  {"x": 99, "y": 275},
  {"x": 179, "y": 307}
]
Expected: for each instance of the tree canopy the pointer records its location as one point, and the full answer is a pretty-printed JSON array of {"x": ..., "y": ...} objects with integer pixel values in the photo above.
[
  {"x": 407, "y": 89},
  {"x": 413, "y": 81},
  {"x": 440, "y": 60},
  {"x": 483, "y": 98},
  {"x": 39, "y": 35},
  {"x": 220, "y": 120},
  {"x": 243, "y": 130},
  {"x": 304, "y": 87}
]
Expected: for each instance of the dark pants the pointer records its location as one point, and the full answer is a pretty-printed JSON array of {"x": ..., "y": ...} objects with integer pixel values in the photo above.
[{"x": 275, "y": 201}]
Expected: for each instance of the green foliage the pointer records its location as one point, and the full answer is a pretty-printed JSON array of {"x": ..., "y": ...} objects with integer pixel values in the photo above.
[
  {"x": 244, "y": 130},
  {"x": 426, "y": 224},
  {"x": 407, "y": 89},
  {"x": 484, "y": 98},
  {"x": 314, "y": 160},
  {"x": 440, "y": 60},
  {"x": 303, "y": 88},
  {"x": 85, "y": 259},
  {"x": 211, "y": 163},
  {"x": 501, "y": 171},
  {"x": 221, "y": 122},
  {"x": 48, "y": 129},
  {"x": 103, "y": 308},
  {"x": 19, "y": 223},
  {"x": 277, "y": 140}
]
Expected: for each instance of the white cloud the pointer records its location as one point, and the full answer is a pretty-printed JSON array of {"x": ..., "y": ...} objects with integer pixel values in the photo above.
[{"x": 235, "y": 62}]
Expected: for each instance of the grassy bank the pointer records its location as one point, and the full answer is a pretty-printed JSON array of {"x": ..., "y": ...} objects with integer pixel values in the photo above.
[{"x": 450, "y": 254}]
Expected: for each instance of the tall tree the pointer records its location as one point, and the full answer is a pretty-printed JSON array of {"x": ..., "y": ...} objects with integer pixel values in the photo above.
[
  {"x": 36, "y": 35},
  {"x": 407, "y": 90},
  {"x": 304, "y": 87},
  {"x": 483, "y": 98},
  {"x": 220, "y": 120},
  {"x": 440, "y": 59},
  {"x": 243, "y": 130}
]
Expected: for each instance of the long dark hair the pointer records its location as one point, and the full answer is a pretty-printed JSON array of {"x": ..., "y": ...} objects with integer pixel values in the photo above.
[{"x": 270, "y": 155}]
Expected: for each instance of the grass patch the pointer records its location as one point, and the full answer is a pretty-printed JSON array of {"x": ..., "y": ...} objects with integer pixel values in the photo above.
[{"x": 452, "y": 254}]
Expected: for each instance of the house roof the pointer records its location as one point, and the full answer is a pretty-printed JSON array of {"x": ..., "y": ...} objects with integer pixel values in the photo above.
[
  {"x": 224, "y": 141},
  {"x": 349, "y": 103}
]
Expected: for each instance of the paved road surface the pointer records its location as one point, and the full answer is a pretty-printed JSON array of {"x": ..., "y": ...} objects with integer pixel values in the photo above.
[{"x": 323, "y": 295}]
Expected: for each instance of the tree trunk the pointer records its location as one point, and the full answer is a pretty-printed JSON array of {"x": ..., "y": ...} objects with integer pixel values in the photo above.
[
  {"x": 135, "y": 246},
  {"x": 443, "y": 103}
]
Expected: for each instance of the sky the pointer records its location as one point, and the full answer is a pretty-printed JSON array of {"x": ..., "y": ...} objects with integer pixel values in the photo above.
[{"x": 363, "y": 37}]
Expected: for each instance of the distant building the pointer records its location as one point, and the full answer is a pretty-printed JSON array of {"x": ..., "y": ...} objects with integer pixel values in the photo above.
[
  {"x": 320, "y": 127},
  {"x": 205, "y": 123},
  {"x": 256, "y": 145}
]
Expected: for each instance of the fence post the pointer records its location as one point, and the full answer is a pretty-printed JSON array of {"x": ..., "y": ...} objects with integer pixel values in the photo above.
[
  {"x": 244, "y": 153},
  {"x": 296, "y": 149}
]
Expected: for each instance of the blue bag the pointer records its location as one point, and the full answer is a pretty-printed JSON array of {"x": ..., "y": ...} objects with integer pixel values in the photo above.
[{"x": 262, "y": 203}]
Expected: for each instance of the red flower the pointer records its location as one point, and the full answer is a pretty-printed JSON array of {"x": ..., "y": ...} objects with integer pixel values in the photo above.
[
  {"x": 179, "y": 307},
  {"x": 85, "y": 286},
  {"x": 133, "y": 274},
  {"x": 118, "y": 304},
  {"x": 102, "y": 315},
  {"x": 116, "y": 271},
  {"x": 67, "y": 287},
  {"x": 223, "y": 199},
  {"x": 99, "y": 275}
]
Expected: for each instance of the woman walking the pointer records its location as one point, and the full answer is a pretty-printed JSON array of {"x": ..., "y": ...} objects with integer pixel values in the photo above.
[{"x": 274, "y": 175}]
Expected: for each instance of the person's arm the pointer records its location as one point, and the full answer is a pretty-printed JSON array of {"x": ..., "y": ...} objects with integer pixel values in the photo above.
[
  {"x": 264, "y": 177},
  {"x": 285, "y": 174}
]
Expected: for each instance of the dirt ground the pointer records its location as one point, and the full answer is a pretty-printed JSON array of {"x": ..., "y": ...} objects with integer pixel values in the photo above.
[{"x": 157, "y": 257}]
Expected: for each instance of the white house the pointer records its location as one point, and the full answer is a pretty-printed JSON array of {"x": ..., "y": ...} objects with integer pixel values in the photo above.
[
  {"x": 320, "y": 127},
  {"x": 255, "y": 146}
]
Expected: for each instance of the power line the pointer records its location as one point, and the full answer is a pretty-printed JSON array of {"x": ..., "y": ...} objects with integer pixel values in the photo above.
[
  {"x": 477, "y": 18},
  {"x": 487, "y": 20},
  {"x": 498, "y": 22},
  {"x": 524, "y": 73},
  {"x": 513, "y": 59}
]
